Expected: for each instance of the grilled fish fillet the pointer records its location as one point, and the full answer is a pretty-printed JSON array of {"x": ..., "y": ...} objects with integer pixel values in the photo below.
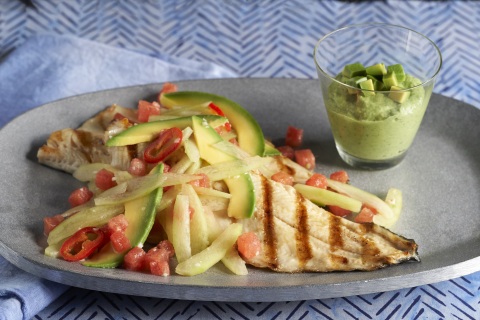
[
  {"x": 67, "y": 149},
  {"x": 297, "y": 236}
]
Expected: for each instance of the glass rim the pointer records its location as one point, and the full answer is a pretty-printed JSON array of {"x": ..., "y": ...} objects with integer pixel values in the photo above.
[{"x": 375, "y": 24}]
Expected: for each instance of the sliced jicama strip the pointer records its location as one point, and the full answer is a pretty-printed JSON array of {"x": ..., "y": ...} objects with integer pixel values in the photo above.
[
  {"x": 165, "y": 210},
  {"x": 228, "y": 135},
  {"x": 214, "y": 203},
  {"x": 212, "y": 192},
  {"x": 394, "y": 199},
  {"x": 79, "y": 208},
  {"x": 181, "y": 228},
  {"x": 324, "y": 197},
  {"x": 232, "y": 259},
  {"x": 168, "y": 198},
  {"x": 228, "y": 169},
  {"x": 120, "y": 188},
  {"x": 89, "y": 217},
  {"x": 122, "y": 176},
  {"x": 137, "y": 187},
  {"x": 191, "y": 150},
  {"x": 218, "y": 122},
  {"x": 172, "y": 178},
  {"x": 53, "y": 250},
  {"x": 198, "y": 222},
  {"x": 205, "y": 259},
  {"x": 186, "y": 133},
  {"x": 384, "y": 217},
  {"x": 182, "y": 165},
  {"x": 231, "y": 149},
  {"x": 87, "y": 172},
  {"x": 214, "y": 227},
  {"x": 194, "y": 167},
  {"x": 234, "y": 262},
  {"x": 301, "y": 173}
]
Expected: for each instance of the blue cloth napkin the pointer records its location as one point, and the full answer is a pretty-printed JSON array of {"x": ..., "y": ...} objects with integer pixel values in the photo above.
[
  {"x": 22, "y": 295},
  {"x": 49, "y": 67}
]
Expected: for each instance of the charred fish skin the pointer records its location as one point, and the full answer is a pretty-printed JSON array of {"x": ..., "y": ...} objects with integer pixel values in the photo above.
[{"x": 298, "y": 236}]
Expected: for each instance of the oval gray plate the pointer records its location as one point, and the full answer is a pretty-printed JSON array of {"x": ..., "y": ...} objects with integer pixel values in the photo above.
[{"x": 440, "y": 179}]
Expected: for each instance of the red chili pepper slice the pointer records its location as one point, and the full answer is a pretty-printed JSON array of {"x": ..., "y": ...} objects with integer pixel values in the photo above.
[
  {"x": 167, "y": 142},
  {"x": 216, "y": 109},
  {"x": 82, "y": 244}
]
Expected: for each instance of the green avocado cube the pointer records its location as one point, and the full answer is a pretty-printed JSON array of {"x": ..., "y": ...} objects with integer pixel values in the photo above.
[
  {"x": 367, "y": 85},
  {"x": 398, "y": 70},
  {"x": 397, "y": 95},
  {"x": 378, "y": 85},
  {"x": 377, "y": 70},
  {"x": 354, "y": 70},
  {"x": 354, "y": 82},
  {"x": 390, "y": 79}
]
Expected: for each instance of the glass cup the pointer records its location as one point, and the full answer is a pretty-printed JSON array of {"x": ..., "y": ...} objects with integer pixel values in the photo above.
[{"x": 374, "y": 123}]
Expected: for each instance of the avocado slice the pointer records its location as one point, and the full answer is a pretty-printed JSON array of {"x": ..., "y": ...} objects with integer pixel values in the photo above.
[
  {"x": 249, "y": 134},
  {"x": 140, "y": 214},
  {"x": 270, "y": 150},
  {"x": 145, "y": 132},
  {"x": 242, "y": 201}
]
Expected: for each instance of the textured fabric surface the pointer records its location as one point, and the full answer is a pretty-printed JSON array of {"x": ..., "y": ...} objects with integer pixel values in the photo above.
[
  {"x": 22, "y": 295},
  {"x": 454, "y": 299},
  {"x": 50, "y": 67},
  {"x": 108, "y": 44},
  {"x": 260, "y": 38}
]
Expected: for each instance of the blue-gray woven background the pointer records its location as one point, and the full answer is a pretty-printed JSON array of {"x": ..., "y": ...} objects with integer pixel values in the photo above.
[{"x": 261, "y": 39}]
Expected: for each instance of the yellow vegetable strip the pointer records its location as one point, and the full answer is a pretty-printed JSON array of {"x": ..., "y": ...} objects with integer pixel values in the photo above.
[
  {"x": 324, "y": 197},
  {"x": 198, "y": 222},
  {"x": 212, "y": 192},
  {"x": 384, "y": 217},
  {"x": 181, "y": 228},
  {"x": 89, "y": 217},
  {"x": 234, "y": 262},
  {"x": 205, "y": 259},
  {"x": 141, "y": 186},
  {"x": 87, "y": 172}
]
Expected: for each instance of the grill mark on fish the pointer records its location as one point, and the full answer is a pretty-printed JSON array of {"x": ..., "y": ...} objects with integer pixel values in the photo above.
[
  {"x": 335, "y": 240},
  {"x": 270, "y": 241},
  {"x": 85, "y": 143},
  {"x": 397, "y": 242},
  {"x": 370, "y": 252},
  {"x": 284, "y": 167},
  {"x": 304, "y": 249}
]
